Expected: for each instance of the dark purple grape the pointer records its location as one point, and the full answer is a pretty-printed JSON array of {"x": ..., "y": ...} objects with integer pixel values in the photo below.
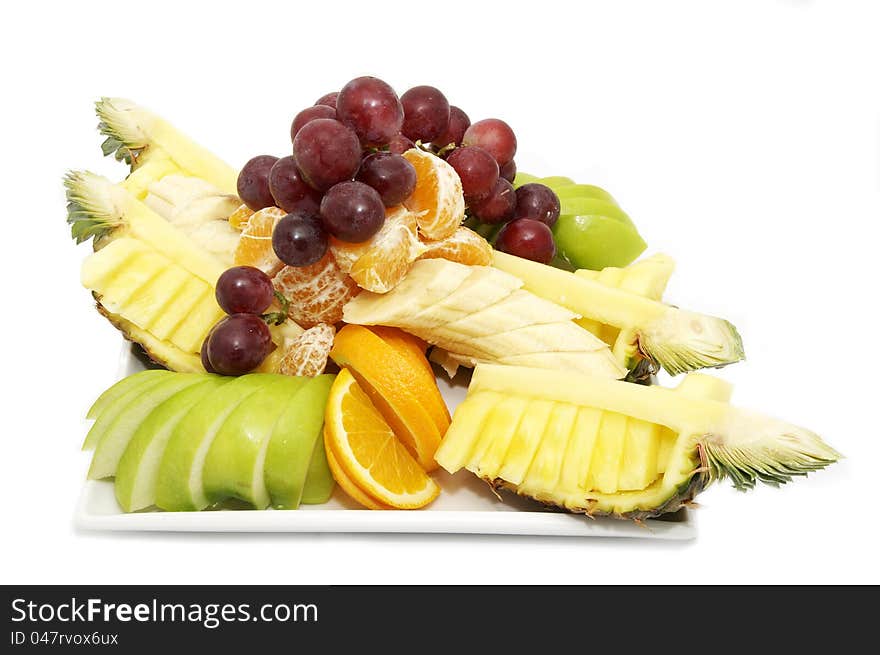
[
  {"x": 498, "y": 206},
  {"x": 494, "y": 136},
  {"x": 299, "y": 239},
  {"x": 253, "y": 182},
  {"x": 371, "y": 108},
  {"x": 528, "y": 239},
  {"x": 290, "y": 190},
  {"x": 458, "y": 123},
  {"x": 537, "y": 202},
  {"x": 244, "y": 290},
  {"x": 328, "y": 99},
  {"x": 389, "y": 174},
  {"x": 310, "y": 114},
  {"x": 352, "y": 211},
  {"x": 326, "y": 152},
  {"x": 238, "y": 344},
  {"x": 203, "y": 354},
  {"x": 425, "y": 113},
  {"x": 399, "y": 144},
  {"x": 476, "y": 168},
  {"x": 508, "y": 171}
]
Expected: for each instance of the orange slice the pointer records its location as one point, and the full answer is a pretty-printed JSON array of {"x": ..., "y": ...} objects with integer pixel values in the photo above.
[
  {"x": 240, "y": 217},
  {"x": 401, "y": 389},
  {"x": 437, "y": 198},
  {"x": 368, "y": 453},
  {"x": 255, "y": 243},
  {"x": 316, "y": 293},
  {"x": 379, "y": 264},
  {"x": 346, "y": 483},
  {"x": 463, "y": 246},
  {"x": 403, "y": 342},
  {"x": 307, "y": 354}
]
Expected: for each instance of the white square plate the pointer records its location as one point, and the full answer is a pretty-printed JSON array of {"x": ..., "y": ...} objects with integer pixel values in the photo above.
[{"x": 466, "y": 505}]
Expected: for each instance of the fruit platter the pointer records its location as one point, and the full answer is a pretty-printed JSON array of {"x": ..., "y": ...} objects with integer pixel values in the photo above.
[{"x": 392, "y": 328}]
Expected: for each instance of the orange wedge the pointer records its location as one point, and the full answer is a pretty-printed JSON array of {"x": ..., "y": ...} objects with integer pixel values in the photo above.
[
  {"x": 408, "y": 344},
  {"x": 365, "y": 449},
  {"x": 400, "y": 387},
  {"x": 255, "y": 243},
  {"x": 382, "y": 262},
  {"x": 463, "y": 246},
  {"x": 346, "y": 483},
  {"x": 437, "y": 198}
]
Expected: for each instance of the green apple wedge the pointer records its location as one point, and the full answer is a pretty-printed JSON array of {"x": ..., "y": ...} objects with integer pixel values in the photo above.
[
  {"x": 113, "y": 407},
  {"x": 596, "y": 242},
  {"x": 138, "y": 471},
  {"x": 319, "y": 480},
  {"x": 294, "y": 469},
  {"x": 126, "y": 384},
  {"x": 180, "y": 472},
  {"x": 235, "y": 464},
  {"x": 113, "y": 442},
  {"x": 594, "y": 207},
  {"x": 567, "y": 191}
]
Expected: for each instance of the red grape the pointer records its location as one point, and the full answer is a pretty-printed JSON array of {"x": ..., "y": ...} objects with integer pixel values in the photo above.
[
  {"x": 244, "y": 290},
  {"x": 203, "y": 354},
  {"x": 328, "y": 99},
  {"x": 389, "y": 174},
  {"x": 253, "y": 182},
  {"x": 458, "y": 123},
  {"x": 299, "y": 239},
  {"x": 537, "y": 202},
  {"x": 425, "y": 113},
  {"x": 399, "y": 144},
  {"x": 528, "y": 239},
  {"x": 498, "y": 206},
  {"x": 352, "y": 211},
  {"x": 326, "y": 152},
  {"x": 476, "y": 168},
  {"x": 238, "y": 344},
  {"x": 493, "y": 135},
  {"x": 310, "y": 114},
  {"x": 371, "y": 108},
  {"x": 508, "y": 171},
  {"x": 290, "y": 190}
]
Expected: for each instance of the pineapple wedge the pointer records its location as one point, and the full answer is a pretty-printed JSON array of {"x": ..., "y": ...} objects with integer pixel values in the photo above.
[
  {"x": 480, "y": 314},
  {"x": 619, "y": 449},
  {"x": 675, "y": 339}
]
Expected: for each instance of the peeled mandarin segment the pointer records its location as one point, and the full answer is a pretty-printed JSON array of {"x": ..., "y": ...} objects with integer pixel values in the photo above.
[
  {"x": 307, "y": 354},
  {"x": 316, "y": 293},
  {"x": 240, "y": 217},
  {"x": 255, "y": 243},
  {"x": 401, "y": 391},
  {"x": 346, "y": 483},
  {"x": 437, "y": 199},
  {"x": 463, "y": 246},
  {"x": 367, "y": 451}
]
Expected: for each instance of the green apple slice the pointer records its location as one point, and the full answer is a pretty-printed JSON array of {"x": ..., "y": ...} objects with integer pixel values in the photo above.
[
  {"x": 554, "y": 181},
  {"x": 235, "y": 463},
  {"x": 319, "y": 481},
  {"x": 523, "y": 178},
  {"x": 596, "y": 242},
  {"x": 113, "y": 409},
  {"x": 179, "y": 486},
  {"x": 583, "y": 191},
  {"x": 138, "y": 471},
  {"x": 593, "y": 207},
  {"x": 113, "y": 442},
  {"x": 126, "y": 384},
  {"x": 294, "y": 448}
]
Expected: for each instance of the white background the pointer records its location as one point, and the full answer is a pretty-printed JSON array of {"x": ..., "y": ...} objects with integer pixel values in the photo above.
[{"x": 743, "y": 137}]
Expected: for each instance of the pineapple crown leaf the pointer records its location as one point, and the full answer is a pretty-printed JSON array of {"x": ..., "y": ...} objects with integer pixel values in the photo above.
[
  {"x": 682, "y": 341},
  {"x": 120, "y": 123},
  {"x": 88, "y": 211},
  {"x": 773, "y": 458}
]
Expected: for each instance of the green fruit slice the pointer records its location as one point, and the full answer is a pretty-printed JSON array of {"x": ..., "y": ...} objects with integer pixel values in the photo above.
[
  {"x": 180, "y": 486},
  {"x": 554, "y": 181},
  {"x": 594, "y": 207},
  {"x": 122, "y": 387},
  {"x": 113, "y": 408},
  {"x": 118, "y": 433},
  {"x": 138, "y": 472},
  {"x": 235, "y": 464},
  {"x": 293, "y": 449},
  {"x": 583, "y": 191},
  {"x": 596, "y": 242},
  {"x": 523, "y": 178}
]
